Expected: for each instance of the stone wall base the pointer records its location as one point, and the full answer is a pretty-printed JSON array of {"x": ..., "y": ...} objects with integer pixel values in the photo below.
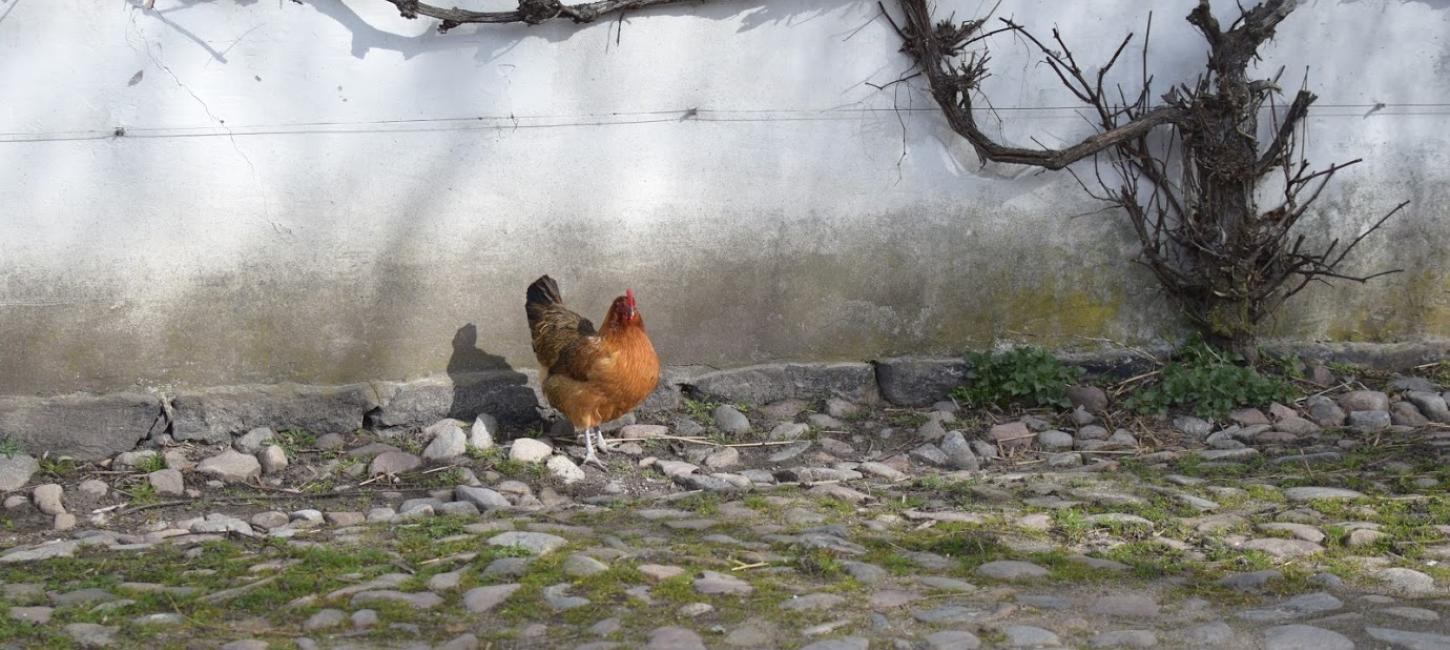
[{"x": 91, "y": 427}]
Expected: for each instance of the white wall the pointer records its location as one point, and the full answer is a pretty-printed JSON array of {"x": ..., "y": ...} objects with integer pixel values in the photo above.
[{"x": 327, "y": 192}]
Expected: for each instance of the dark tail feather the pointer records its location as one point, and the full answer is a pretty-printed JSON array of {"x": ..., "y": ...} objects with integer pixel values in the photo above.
[{"x": 542, "y": 293}]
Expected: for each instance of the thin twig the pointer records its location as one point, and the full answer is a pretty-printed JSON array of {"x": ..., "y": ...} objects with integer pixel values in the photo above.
[
  {"x": 765, "y": 443},
  {"x": 707, "y": 442},
  {"x": 263, "y": 497}
]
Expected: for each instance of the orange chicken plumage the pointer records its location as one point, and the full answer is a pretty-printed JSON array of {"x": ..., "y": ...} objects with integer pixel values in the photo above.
[{"x": 591, "y": 376}]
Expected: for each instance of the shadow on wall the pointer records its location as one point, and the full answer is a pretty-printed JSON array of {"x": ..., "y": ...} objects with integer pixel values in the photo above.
[
  {"x": 494, "y": 40},
  {"x": 1433, "y": 4},
  {"x": 491, "y": 41},
  {"x": 486, "y": 383},
  {"x": 467, "y": 357},
  {"x": 8, "y": 9}
]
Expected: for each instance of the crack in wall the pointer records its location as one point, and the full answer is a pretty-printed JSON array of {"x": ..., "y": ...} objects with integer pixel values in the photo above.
[{"x": 206, "y": 108}]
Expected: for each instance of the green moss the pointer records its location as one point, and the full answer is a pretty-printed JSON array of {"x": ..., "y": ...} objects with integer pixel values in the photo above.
[
  {"x": 1061, "y": 568},
  {"x": 1259, "y": 492},
  {"x": 294, "y": 440},
  {"x": 491, "y": 455},
  {"x": 1418, "y": 306},
  {"x": 818, "y": 563},
  {"x": 701, "y": 411},
  {"x": 30, "y": 635},
  {"x": 150, "y": 464},
  {"x": 423, "y": 536},
  {"x": 1152, "y": 560},
  {"x": 1232, "y": 559},
  {"x": 517, "y": 469},
  {"x": 143, "y": 494},
  {"x": 217, "y": 566},
  {"x": 411, "y": 445},
  {"x": 678, "y": 590},
  {"x": 705, "y": 504},
  {"x": 59, "y": 468},
  {"x": 1070, "y": 524},
  {"x": 907, "y": 419},
  {"x": 444, "y": 479},
  {"x": 893, "y": 561},
  {"x": 759, "y": 503},
  {"x": 1069, "y": 313},
  {"x": 836, "y": 508},
  {"x": 10, "y": 447}
]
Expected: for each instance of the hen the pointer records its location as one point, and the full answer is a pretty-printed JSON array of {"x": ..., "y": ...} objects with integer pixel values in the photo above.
[{"x": 590, "y": 376}]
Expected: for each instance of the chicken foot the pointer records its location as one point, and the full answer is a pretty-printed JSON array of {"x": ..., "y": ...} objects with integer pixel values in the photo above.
[{"x": 589, "y": 455}]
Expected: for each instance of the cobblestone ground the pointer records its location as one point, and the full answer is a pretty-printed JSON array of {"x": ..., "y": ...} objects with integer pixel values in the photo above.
[{"x": 852, "y": 528}]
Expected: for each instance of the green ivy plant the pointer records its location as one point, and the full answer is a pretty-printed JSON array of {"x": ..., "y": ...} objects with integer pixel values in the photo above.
[
  {"x": 1210, "y": 383},
  {"x": 1025, "y": 375}
]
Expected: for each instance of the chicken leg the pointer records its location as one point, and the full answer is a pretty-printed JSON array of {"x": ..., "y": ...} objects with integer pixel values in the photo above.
[{"x": 589, "y": 455}]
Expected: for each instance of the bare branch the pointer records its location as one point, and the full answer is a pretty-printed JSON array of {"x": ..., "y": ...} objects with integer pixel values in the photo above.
[
  {"x": 1260, "y": 21},
  {"x": 532, "y": 12},
  {"x": 1202, "y": 18},
  {"x": 893, "y": 82},
  {"x": 1344, "y": 253},
  {"x": 953, "y": 85},
  {"x": 1231, "y": 51},
  {"x": 1103, "y": 71},
  {"x": 1279, "y": 149}
]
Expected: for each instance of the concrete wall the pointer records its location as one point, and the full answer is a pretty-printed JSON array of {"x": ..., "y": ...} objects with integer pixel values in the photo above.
[{"x": 326, "y": 193}]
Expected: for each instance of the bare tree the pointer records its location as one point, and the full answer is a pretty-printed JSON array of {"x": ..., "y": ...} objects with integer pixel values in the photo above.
[{"x": 1191, "y": 199}]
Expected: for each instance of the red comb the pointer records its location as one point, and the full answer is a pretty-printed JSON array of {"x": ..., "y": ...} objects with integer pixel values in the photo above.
[{"x": 629, "y": 295}]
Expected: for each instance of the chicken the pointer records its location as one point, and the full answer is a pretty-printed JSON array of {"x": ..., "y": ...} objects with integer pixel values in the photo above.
[{"x": 590, "y": 376}]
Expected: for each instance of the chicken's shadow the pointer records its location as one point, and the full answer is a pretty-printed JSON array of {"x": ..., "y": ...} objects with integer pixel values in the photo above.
[{"x": 486, "y": 383}]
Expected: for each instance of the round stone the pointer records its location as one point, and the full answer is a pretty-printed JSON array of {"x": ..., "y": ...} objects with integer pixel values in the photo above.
[
  {"x": 529, "y": 450},
  {"x": 1011, "y": 570}
]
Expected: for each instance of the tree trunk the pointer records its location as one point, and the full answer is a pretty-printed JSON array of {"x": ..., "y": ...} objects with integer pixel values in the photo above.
[
  {"x": 1228, "y": 325},
  {"x": 1223, "y": 155}
]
